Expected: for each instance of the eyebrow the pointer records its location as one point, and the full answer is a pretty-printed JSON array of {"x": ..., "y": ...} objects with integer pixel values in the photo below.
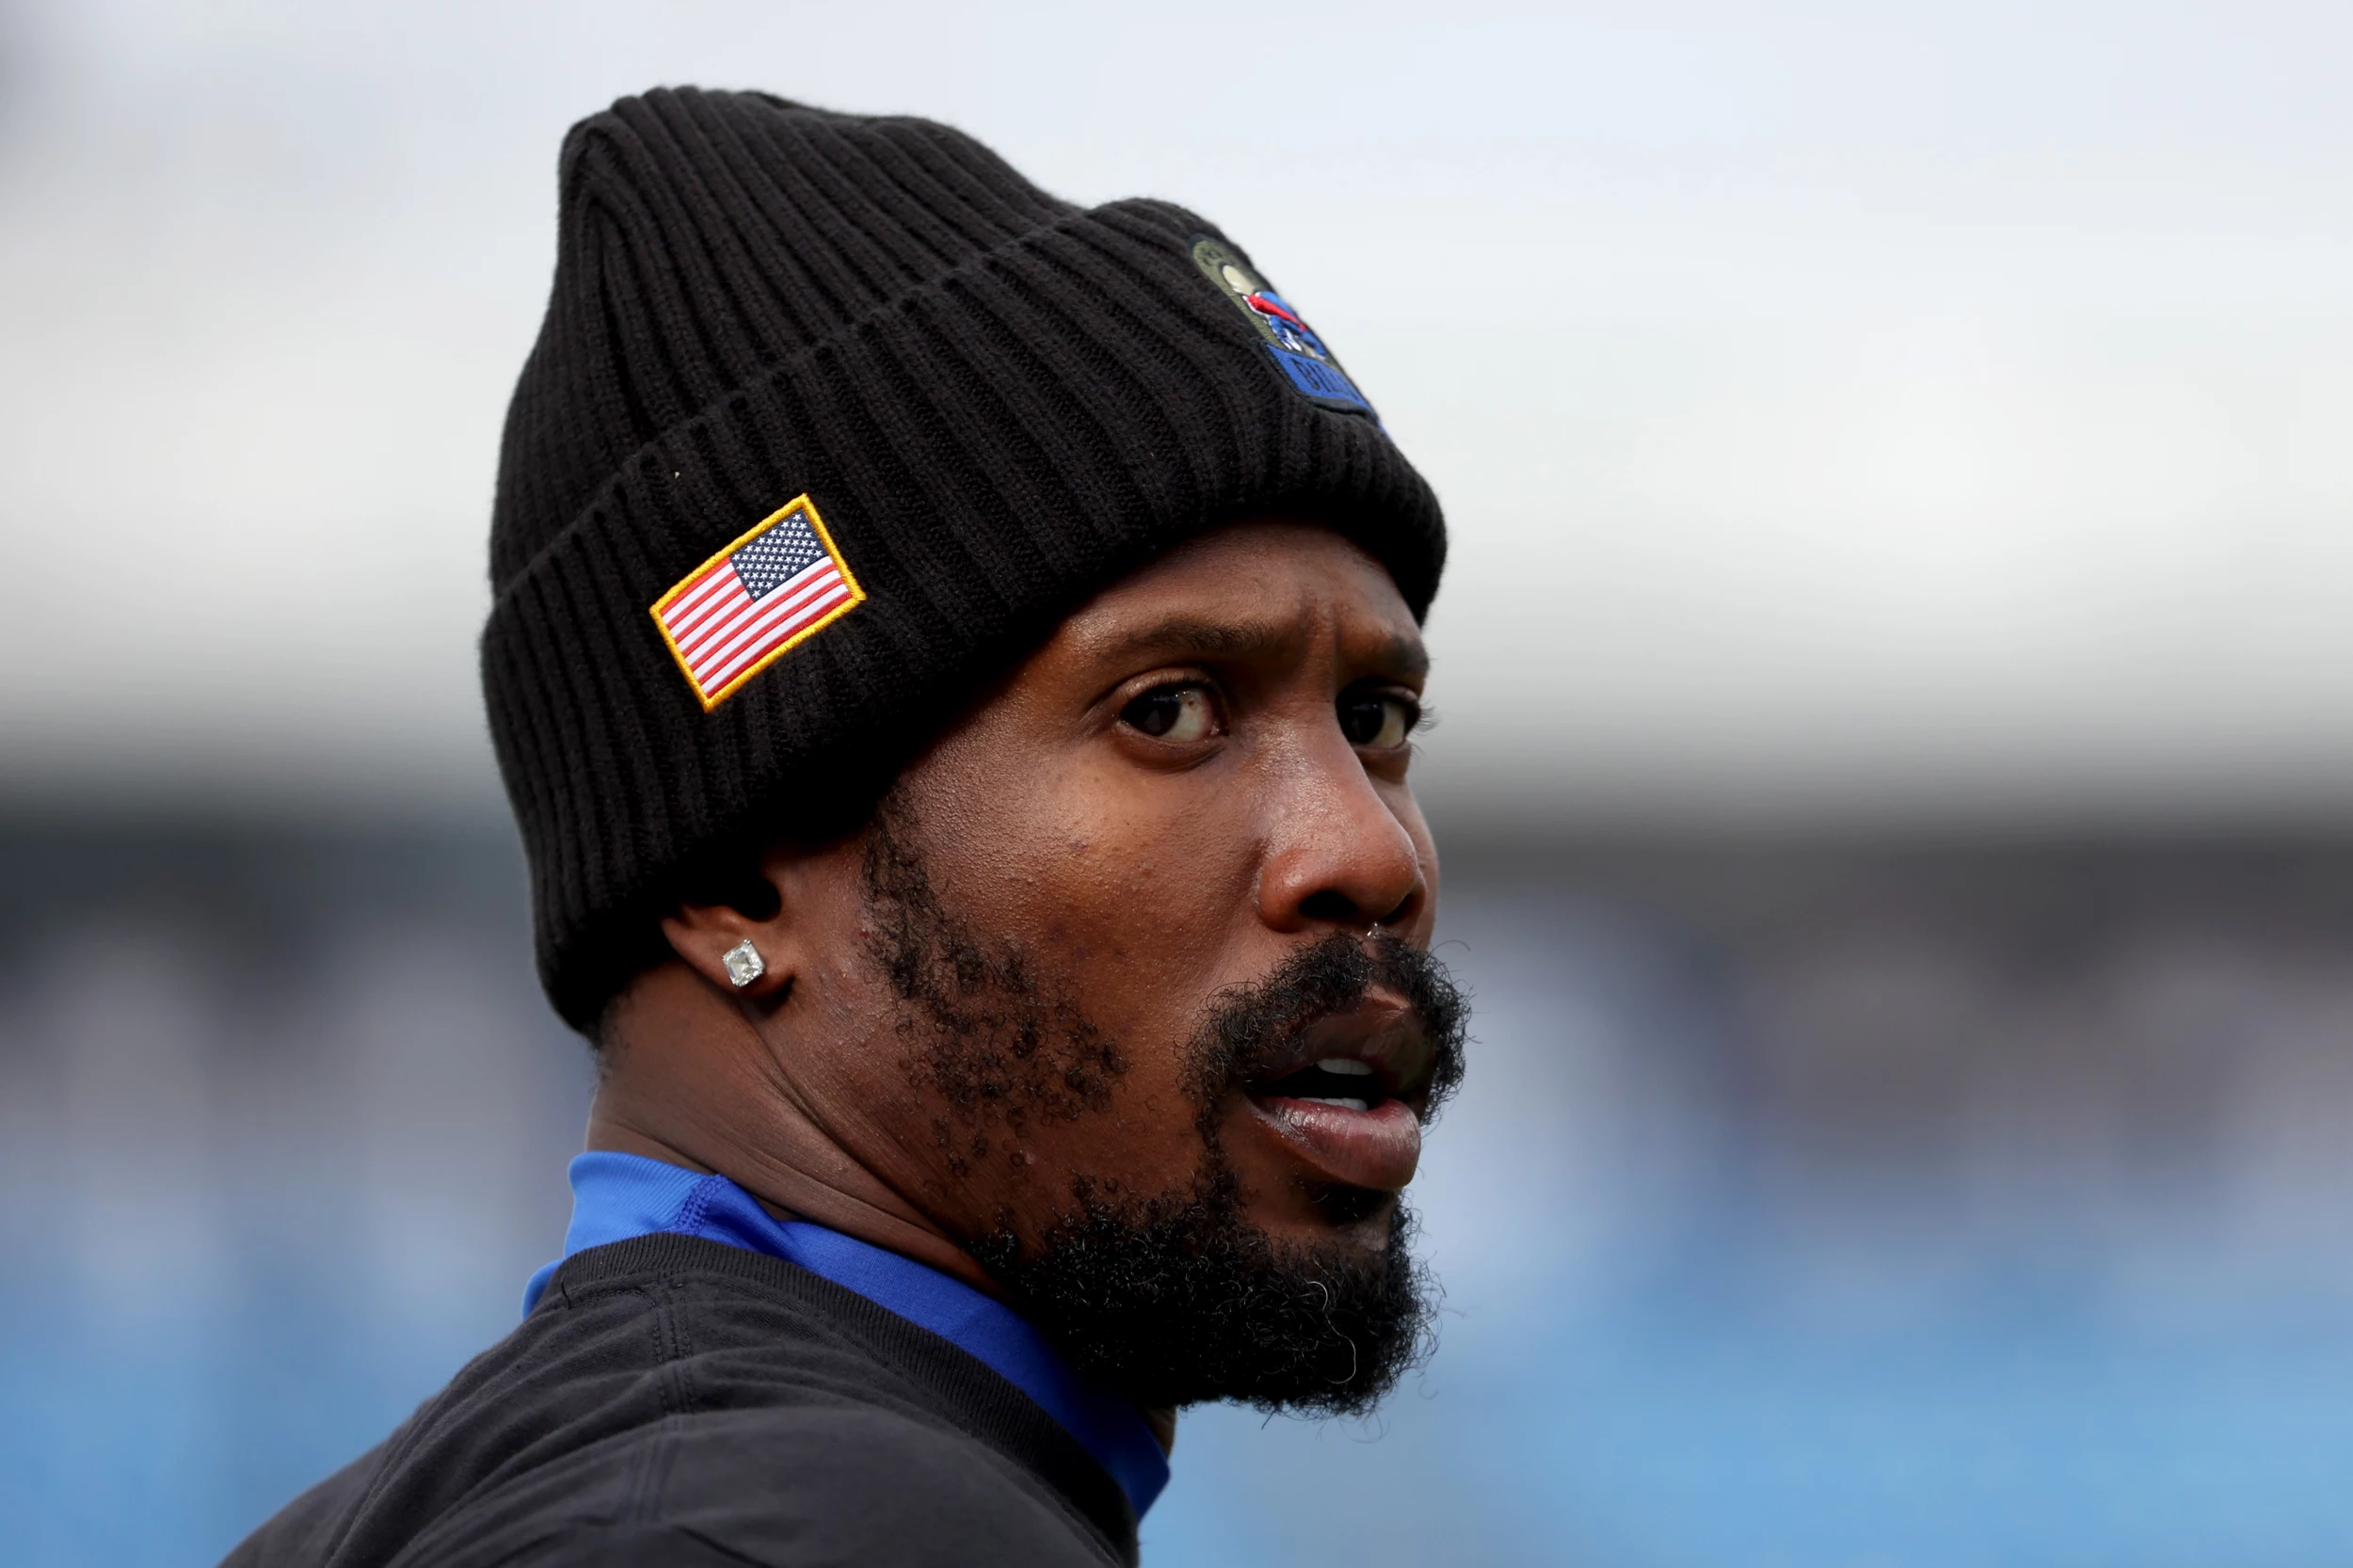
[{"x": 1242, "y": 639}]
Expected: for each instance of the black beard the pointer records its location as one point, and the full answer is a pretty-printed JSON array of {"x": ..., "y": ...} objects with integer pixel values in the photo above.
[
  {"x": 1176, "y": 1298},
  {"x": 1180, "y": 1299}
]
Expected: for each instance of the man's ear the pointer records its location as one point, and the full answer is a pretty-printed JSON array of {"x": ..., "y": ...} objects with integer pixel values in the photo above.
[{"x": 719, "y": 916}]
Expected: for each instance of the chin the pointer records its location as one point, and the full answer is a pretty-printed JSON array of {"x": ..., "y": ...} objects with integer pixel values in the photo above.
[{"x": 1352, "y": 1218}]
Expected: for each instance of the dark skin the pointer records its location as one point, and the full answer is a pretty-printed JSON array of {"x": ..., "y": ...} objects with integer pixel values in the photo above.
[{"x": 1202, "y": 771}]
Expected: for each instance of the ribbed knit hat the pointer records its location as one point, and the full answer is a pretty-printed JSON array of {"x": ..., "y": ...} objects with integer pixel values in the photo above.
[{"x": 831, "y": 421}]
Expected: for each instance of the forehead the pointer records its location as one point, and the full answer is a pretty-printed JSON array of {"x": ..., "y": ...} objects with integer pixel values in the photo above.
[{"x": 1252, "y": 583}]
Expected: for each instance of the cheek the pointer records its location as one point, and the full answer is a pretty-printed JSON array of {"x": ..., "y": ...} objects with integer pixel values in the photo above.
[
  {"x": 1077, "y": 850},
  {"x": 989, "y": 1172},
  {"x": 1124, "y": 903},
  {"x": 1144, "y": 906}
]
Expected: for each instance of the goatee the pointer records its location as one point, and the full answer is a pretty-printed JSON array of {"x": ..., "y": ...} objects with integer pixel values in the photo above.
[{"x": 1174, "y": 1298}]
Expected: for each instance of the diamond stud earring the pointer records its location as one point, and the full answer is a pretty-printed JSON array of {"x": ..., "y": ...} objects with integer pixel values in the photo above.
[{"x": 745, "y": 964}]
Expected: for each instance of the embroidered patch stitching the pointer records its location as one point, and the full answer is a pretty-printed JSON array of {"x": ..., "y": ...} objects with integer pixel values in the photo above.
[
  {"x": 771, "y": 589},
  {"x": 1298, "y": 352}
]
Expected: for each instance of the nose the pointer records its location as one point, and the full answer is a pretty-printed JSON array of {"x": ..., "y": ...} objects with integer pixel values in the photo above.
[{"x": 1336, "y": 854}]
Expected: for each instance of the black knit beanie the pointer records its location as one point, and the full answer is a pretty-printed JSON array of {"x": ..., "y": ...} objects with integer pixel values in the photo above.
[{"x": 832, "y": 420}]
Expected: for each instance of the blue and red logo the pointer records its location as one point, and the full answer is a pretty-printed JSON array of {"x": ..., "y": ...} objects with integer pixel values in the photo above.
[{"x": 1298, "y": 352}]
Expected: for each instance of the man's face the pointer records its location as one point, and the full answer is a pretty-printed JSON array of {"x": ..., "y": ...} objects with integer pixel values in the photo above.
[{"x": 1150, "y": 932}]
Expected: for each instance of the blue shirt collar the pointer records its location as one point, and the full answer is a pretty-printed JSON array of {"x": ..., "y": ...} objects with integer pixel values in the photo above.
[{"x": 615, "y": 1196}]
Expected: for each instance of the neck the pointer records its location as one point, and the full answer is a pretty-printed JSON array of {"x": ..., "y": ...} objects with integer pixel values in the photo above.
[{"x": 689, "y": 1081}]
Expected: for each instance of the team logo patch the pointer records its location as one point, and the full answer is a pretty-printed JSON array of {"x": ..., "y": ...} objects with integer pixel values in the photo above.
[
  {"x": 751, "y": 605},
  {"x": 1297, "y": 350}
]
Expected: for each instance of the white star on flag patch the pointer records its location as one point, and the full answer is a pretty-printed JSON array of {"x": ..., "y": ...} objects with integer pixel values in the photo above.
[{"x": 746, "y": 607}]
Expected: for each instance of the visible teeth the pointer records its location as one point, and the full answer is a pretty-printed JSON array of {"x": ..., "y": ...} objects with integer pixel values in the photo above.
[
  {"x": 1344, "y": 1105},
  {"x": 1347, "y": 1066}
]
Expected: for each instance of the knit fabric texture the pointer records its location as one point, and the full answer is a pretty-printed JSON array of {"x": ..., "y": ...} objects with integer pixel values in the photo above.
[{"x": 998, "y": 402}]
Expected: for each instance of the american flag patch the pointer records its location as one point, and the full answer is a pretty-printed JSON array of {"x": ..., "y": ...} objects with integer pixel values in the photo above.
[{"x": 746, "y": 607}]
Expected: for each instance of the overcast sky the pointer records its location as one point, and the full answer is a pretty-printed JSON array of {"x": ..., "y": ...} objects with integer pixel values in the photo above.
[{"x": 1919, "y": 413}]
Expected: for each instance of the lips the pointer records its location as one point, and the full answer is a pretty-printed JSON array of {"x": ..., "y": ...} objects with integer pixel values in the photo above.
[
  {"x": 1346, "y": 1094},
  {"x": 1376, "y": 1149}
]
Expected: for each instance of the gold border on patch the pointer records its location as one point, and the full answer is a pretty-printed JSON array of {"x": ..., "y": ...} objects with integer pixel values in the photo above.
[{"x": 817, "y": 525}]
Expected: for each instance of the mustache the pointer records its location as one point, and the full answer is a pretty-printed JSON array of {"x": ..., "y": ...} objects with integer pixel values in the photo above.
[{"x": 1252, "y": 1025}]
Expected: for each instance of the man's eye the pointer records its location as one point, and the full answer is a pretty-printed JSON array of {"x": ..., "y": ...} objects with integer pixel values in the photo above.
[
  {"x": 1179, "y": 713},
  {"x": 1377, "y": 720}
]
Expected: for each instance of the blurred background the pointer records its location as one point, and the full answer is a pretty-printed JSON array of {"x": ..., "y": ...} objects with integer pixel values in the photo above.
[{"x": 1894, "y": 761}]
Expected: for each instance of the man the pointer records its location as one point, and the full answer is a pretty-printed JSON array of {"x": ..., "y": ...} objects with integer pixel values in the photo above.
[{"x": 955, "y": 675}]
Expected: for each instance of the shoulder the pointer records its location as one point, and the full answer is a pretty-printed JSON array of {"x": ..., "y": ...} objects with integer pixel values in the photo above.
[
  {"x": 305, "y": 1530},
  {"x": 858, "y": 1468},
  {"x": 775, "y": 1486},
  {"x": 728, "y": 1400}
]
